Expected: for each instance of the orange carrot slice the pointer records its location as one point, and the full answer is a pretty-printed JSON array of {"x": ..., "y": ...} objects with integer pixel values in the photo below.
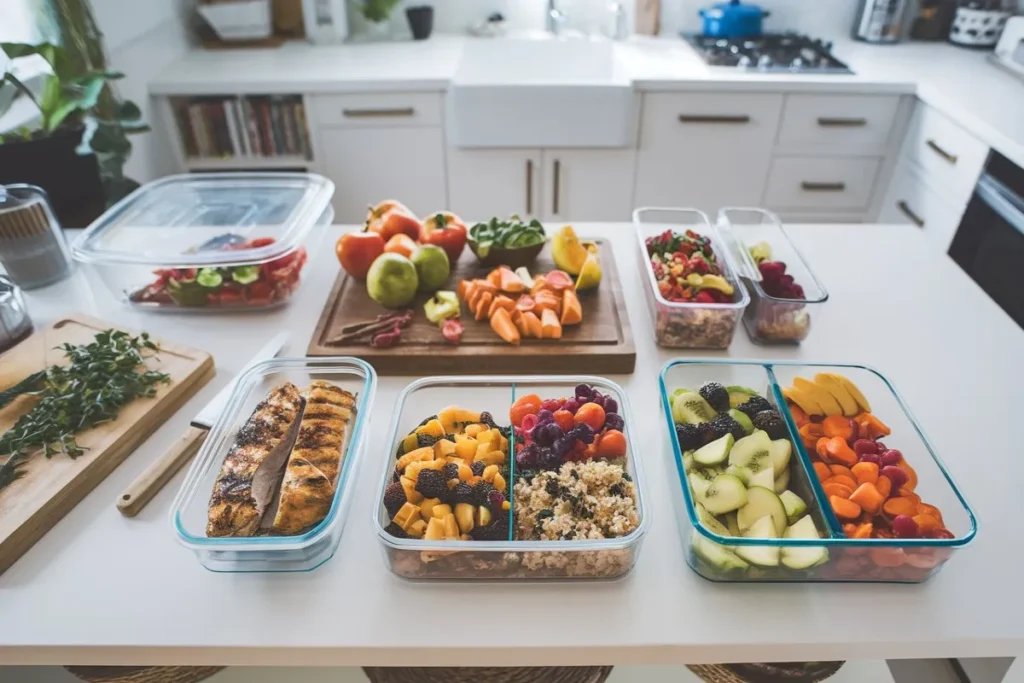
[
  {"x": 884, "y": 486},
  {"x": 840, "y": 452},
  {"x": 843, "y": 508},
  {"x": 839, "y": 490},
  {"x": 900, "y": 506},
  {"x": 572, "y": 311},
  {"x": 865, "y": 472},
  {"x": 483, "y": 304},
  {"x": 502, "y": 324},
  {"x": 534, "y": 325},
  {"x": 822, "y": 470},
  {"x": 927, "y": 523},
  {"x": 868, "y": 497},
  {"x": 844, "y": 480},
  {"x": 841, "y": 470},
  {"x": 500, "y": 301},
  {"x": 837, "y": 425}
]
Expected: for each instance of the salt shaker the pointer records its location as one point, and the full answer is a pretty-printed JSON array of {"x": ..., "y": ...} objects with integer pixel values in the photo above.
[
  {"x": 15, "y": 324},
  {"x": 33, "y": 250}
]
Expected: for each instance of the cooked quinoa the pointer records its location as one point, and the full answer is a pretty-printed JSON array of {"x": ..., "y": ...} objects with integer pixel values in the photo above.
[{"x": 591, "y": 500}]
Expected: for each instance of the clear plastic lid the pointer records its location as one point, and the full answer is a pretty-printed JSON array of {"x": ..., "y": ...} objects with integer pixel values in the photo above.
[{"x": 211, "y": 219}]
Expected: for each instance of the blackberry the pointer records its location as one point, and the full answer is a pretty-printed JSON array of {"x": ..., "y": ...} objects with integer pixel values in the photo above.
[
  {"x": 396, "y": 530},
  {"x": 754, "y": 405},
  {"x": 497, "y": 530},
  {"x": 691, "y": 437},
  {"x": 426, "y": 440},
  {"x": 481, "y": 493},
  {"x": 478, "y": 468},
  {"x": 394, "y": 498},
  {"x": 488, "y": 419},
  {"x": 716, "y": 395},
  {"x": 726, "y": 424},
  {"x": 771, "y": 422},
  {"x": 450, "y": 471},
  {"x": 432, "y": 484},
  {"x": 462, "y": 493}
]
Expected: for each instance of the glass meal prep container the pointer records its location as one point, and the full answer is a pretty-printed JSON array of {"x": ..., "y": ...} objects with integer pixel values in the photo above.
[
  {"x": 838, "y": 555},
  {"x": 416, "y": 558},
  {"x": 263, "y": 552},
  {"x": 209, "y": 242},
  {"x": 771, "y": 319},
  {"x": 688, "y": 325}
]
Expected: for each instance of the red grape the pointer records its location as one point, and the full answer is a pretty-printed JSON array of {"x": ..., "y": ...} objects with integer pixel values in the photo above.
[
  {"x": 572, "y": 405},
  {"x": 904, "y": 527},
  {"x": 896, "y": 475},
  {"x": 551, "y": 404},
  {"x": 862, "y": 446},
  {"x": 871, "y": 457}
]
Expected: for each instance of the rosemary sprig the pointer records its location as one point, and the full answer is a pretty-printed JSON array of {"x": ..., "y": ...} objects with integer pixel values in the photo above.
[
  {"x": 101, "y": 377},
  {"x": 25, "y": 386}
]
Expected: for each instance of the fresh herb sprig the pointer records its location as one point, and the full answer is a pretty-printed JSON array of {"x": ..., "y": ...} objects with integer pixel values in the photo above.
[{"x": 99, "y": 379}]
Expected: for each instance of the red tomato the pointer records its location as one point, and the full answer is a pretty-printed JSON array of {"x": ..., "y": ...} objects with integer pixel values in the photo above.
[
  {"x": 447, "y": 231},
  {"x": 401, "y": 244},
  {"x": 397, "y": 222},
  {"x": 357, "y": 250}
]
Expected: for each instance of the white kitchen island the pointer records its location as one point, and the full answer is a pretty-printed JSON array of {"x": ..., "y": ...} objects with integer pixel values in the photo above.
[{"x": 103, "y": 589}]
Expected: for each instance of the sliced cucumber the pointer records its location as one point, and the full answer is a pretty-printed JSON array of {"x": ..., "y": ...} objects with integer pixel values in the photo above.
[
  {"x": 725, "y": 494},
  {"x": 781, "y": 451},
  {"x": 764, "y": 479},
  {"x": 752, "y": 452},
  {"x": 761, "y": 502},
  {"x": 794, "y": 504},
  {"x": 709, "y": 521},
  {"x": 690, "y": 407},
  {"x": 741, "y": 473},
  {"x": 698, "y": 487},
  {"x": 743, "y": 419},
  {"x": 803, "y": 557},
  {"x": 716, "y": 555},
  {"x": 715, "y": 452},
  {"x": 761, "y": 555},
  {"x": 782, "y": 481}
]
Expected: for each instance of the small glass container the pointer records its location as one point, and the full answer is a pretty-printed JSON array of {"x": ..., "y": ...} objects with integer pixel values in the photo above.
[
  {"x": 687, "y": 325},
  {"x": 15, "y": 324},
  {"x": 303, "y": 552},
  {"x": 209, "y": 242},
  {"x": 771, "y": 319},
  {"x": 32, "y": 245}
]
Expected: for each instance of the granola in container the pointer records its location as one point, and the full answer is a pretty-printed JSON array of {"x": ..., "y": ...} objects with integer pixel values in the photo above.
[{"x": 695, "y": 298}]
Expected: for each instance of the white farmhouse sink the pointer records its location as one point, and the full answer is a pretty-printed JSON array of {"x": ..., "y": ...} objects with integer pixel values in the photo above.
[{"x": 546, "y": 92}]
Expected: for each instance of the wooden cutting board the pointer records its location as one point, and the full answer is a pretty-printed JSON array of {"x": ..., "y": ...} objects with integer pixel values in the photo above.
[
  {"x": 50, "y": 488},
  {"x": 602, "y": 344}
]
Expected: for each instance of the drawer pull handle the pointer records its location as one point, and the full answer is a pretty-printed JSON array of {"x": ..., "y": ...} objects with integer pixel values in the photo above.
[
  {"x": 951, "y": 158},
  {"x": 529, "y": 187},
  {"x": 378, "y": 113},
  {"x": 713, "y": 118},
  {"x": 826, "y": 122},
  {"x": 909, "y": 213},
  {"x": 557, "y": 187},
  {"x": 822, "y": 187}
]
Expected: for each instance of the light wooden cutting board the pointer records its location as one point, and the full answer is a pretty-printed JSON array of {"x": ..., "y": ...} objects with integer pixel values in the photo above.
[{"x": 51, "y": 487}]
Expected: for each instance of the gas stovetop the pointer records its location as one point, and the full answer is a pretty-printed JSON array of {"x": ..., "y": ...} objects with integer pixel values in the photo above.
[{"x": 770, "y": 53}]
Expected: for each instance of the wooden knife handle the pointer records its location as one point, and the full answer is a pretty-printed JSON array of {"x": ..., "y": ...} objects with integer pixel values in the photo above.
[{"x": 156, "y": 476}]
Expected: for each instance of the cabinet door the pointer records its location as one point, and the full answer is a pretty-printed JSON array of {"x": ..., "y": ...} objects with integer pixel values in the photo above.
[
  {"x": 588, "y": 184},
  {"x": 910, "y": 200},
  {"x": 705, "y": 150},
  {"x": 368, "y": 165},
  {"x": 494, "y": 182}
]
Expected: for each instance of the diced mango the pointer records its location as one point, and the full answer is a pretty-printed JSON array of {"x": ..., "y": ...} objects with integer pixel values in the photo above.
[
  {"x": 444, "y": 448},
  {"x": 465, "y": 447},
  {"x": 406, "y": 515},
  {"x": 489, "y": 472},
  {"x": 441, "y": 511},
  {"x": 435, "y": 530},
  {"x": 464, "y": 513},
  {"x": 416, "y": 529},
  {"x": 420, "y": 454}
]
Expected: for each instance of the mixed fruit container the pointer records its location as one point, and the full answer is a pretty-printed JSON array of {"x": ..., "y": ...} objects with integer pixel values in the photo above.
[
  {"x": 783, "y": 475},
  {"x": 518, "y": 478}
]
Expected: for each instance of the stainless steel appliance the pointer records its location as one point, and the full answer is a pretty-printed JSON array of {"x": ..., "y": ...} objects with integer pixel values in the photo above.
[
  {"x": 769, "y": 53},
  {"x": 880, "y": 21},
  {"x": 989, "y": 244},
  {"x": 1009, "y": 52}
]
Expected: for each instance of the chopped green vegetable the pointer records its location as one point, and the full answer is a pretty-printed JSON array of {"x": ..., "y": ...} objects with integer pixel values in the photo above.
[
  {"x": 209, "y": 277},
  {"x": 508, "y": 234},
  {"x": 245, "y": 275}
]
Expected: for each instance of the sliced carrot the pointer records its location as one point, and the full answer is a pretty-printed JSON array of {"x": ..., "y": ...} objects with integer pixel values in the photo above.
[
  {"x": 799, "y": 416},
  {"x": 550, "y": 327},
  {"x": 884, "y": 486},
  {"x": 849, "y": 530},
  {"x": 822, "y": 470},
  {"x": 927, "y": 523},
  {"x": 502, "y": 324},
  {"x": 887, "y": 557},
  {"x": 844, "y": 480},
  {"x": 865, "y": 472},
  {"x": 911, "y": 475},
  {"x": 821, "y": 447},
  {"x": 840, "y": 452},
  {"x": 473, "y": 294},
  {"x": 870, "y": 426},
  {"x": 500, "y": 301},
  {"x": 509, "y": 282},
  {"x": 930, "y": 510},
  {"x": 864, "y": 530},
  {"x": 910, "y": 495},
  {"x": 868, "y": 497},
  {"x": 841, "y": 470},
  {"x": 534, "y": 325},
  {"x": 837, "y": 425},
  {"x": 483, "y": 304},
  {"x": 838, "y": 490},
  {"x": 572, "y": 311},
  {"x": 494, "y": 277},
  {"x": 900, "y": 506},
  {"x": 843, "y": 508},
  {"x": 520, "y": 322},
  {"x": 526, "y": 303},
  {"x": 463, "y": 288}
]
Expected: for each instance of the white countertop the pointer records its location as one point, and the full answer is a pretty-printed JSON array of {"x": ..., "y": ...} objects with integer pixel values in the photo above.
[
  {"x": 103, "y": 589},
  {"x": 961, "y": 83}
]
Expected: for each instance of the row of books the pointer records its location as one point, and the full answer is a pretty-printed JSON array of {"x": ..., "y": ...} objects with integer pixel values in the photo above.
[{"x": 229, "y": 127}]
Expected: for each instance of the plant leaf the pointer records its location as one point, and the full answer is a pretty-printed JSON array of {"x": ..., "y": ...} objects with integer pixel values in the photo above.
[
  {"x": 128, "y": 111},
  {"x": 22, "y": 88}
]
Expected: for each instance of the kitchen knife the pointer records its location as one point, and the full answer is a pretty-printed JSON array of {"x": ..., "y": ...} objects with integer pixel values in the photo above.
[{"x": 156, "y": 476}]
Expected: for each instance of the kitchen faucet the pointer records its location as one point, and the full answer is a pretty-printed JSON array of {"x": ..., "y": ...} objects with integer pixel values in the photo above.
[{"x": 554, "y": 18}]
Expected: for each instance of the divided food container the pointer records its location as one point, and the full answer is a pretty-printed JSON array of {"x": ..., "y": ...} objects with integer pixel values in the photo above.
[
  {"x": 508, "y": 559},
  {"x": 209, "y": 242},
  {"x": 769, "y": 319},
  {"x": 303, "y": 552},
  {"x": 899, "y": 560},
  {"x": 685, "y": 325}
]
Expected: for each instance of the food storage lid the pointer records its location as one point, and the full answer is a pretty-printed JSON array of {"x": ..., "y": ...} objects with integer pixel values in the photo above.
[{"x": 208, "y": 220}]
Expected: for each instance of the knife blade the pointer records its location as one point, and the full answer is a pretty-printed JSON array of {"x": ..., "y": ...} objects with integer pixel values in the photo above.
[{"x": 156, "y": 476}]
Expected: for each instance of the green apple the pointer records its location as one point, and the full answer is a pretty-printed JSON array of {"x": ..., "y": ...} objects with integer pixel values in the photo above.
[
  {"x": 432, "y": 266},
  {"x": 392, "y": 280}
]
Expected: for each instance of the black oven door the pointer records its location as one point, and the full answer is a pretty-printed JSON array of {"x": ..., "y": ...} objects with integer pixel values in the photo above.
[{"x": 989, "y": 244}]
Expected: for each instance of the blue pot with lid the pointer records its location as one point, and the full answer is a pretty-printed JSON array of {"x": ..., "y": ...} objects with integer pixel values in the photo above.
[{"x": 733, "y": 19}]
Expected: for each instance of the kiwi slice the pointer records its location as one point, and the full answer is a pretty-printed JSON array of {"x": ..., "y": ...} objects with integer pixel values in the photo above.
[
  {"x": 738, "y": 395},
  {"x": 753, "y": 452},
  {"x": 725, "y": 494},
  {"x": 691, "y": 408},
  {"x": 743, "y": 419}
]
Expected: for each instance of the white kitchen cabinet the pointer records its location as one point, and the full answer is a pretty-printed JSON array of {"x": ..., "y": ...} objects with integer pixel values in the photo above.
[
  {"x": 705, "y": 150},
  {"x": 588, "y": 184},
  {"x": 375, "y": 163},
  {"x": 909, "y": 200},
  {"x": 949, "y": 156},
  {"x": 494, "y": 182},
  {"x": 833, "y": 123},
  {"x": 821, "y": 183}
]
